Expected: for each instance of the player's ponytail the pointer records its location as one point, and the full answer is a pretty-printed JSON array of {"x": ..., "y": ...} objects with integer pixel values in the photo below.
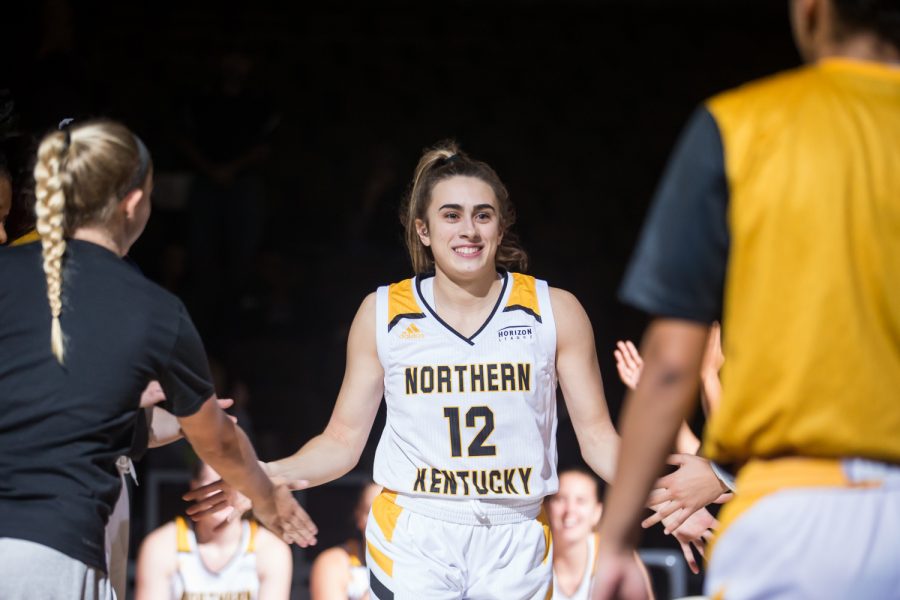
[{"x": 443, "y": 161}]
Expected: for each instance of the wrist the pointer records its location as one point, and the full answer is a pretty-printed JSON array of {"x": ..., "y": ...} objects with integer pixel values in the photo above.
[{"x": 726, "y": 479}]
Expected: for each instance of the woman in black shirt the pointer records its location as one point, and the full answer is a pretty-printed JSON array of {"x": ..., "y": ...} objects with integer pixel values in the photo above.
[{"x": 81, "y": 335}]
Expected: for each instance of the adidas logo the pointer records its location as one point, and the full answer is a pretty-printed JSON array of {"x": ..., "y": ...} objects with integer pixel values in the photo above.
[{"x": 411, "y": 333}]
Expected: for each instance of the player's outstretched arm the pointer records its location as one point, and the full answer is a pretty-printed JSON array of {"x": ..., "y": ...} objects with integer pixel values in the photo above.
[
  {"x": 673, "y": 350},
  {"x": 581, "y": 383},
  {"x": 336, "y": 450}
]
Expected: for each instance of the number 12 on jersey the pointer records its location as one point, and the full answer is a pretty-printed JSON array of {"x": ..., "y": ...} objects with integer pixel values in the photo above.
[{"x": 477, "y": 447}]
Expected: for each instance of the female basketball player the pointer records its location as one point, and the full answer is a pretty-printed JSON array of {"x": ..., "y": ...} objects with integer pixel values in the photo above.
[
  {"x": 467, "y": 354},
  {"x": 81, "y": 334},
  {"x": 574, "y": 513}
]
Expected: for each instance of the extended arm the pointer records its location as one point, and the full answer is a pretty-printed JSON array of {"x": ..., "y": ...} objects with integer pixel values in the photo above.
[
  {"x": 582, "y": 386},
  {"x": 224, "y": 446},
  {"x": 653, "y": 412},
  {"x": 336, "y": 450}
]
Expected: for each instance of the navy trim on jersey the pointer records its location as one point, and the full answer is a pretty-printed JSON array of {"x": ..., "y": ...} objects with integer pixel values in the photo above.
[
  {"x": 400, "y": 317},
  {"x": 379, "y": 589},
  {"x": 468, "y": 340},
  {"x": 524, "y": 309}
]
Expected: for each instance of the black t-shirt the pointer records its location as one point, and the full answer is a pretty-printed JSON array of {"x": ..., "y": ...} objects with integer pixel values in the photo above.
[{"x": 63, "y": 426}]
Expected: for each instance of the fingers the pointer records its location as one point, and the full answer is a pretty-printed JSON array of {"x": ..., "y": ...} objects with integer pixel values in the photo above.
[
  {"x": 631, "y": 352},
  {"x": 225, "y": 402},
  {"x": 651, "y": 520},
  {"x": 298, "y": 484},
  {"x": 204, "y": 491},
  {"x": 700, "y": 545},
  {"x": 676, "y": 460},
  {"x": 660, "y": 495},
  {"x": 205, "y": 509},
  {"x": 689, "y": 557},
  {"x": 299, "y": 529},
  {"x": 676, "y": 519}
]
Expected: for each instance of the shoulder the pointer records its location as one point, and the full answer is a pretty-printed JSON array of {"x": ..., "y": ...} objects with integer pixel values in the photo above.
[
  {"x": 768, "y": 93},
  {"x": 562, "y": 299},
  {"x": 270, "y": 544},
  {"x": 335, "y": 559},
  {"x": 159, "y": 548},
  {"x": 161, "y": 536},
  {"x": 572, "y": 321},
  {"x": 566, "y": 306}
]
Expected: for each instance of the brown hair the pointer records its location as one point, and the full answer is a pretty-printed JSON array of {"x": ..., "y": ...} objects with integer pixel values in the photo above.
[
  {"x": 81, "y": 174},
  {"x": 443, "y": 161}
]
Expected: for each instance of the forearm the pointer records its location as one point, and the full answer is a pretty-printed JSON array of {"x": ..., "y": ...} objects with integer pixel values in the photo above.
[
  {"x": 600, "y": 450},
  {"x": 650, "y": 422},
  {"x": 324, "y": 458},
  {"x": 235, "y": 460}
]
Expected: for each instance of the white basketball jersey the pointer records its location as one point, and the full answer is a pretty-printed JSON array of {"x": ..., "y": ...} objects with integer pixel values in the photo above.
[
  {"x": 238, "y": 580},
  {"x": 582, "y": 592},
  {"x": 468, "y": 418}
]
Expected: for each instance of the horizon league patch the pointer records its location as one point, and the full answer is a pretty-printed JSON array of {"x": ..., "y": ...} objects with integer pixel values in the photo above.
[{"x": 515, "y": 332}]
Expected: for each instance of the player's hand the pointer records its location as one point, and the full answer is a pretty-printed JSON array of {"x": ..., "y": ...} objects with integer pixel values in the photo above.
[
  {"x": 219, "y": 495},
  {"x": 152, "y": 395},
  {"x": 284, "y": 517},
  {"x": 617, "y": 576},
  {"x": 697, "y": 531},
  {"x": 629, "y": 363},
  {"x": 686, "y": 490}
]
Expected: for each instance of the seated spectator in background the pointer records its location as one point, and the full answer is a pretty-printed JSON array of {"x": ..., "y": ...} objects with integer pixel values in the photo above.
[
  {"x": 574, "y": 513},
  {"x": 213, "y": 558},
  {"x": 340, "y": 573}
]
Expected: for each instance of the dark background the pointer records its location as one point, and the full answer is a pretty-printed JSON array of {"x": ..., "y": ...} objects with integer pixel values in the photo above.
[{"x": 575, "y": 104}]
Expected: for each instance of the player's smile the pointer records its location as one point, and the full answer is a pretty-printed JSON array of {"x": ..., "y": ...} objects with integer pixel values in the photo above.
[{"x": 462, "y": 228}]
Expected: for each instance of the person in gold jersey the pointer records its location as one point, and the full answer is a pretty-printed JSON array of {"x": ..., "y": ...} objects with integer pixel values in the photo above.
[{"x": 779, "y": 214}]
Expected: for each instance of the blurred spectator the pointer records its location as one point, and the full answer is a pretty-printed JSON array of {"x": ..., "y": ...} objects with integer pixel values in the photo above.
[{"x": 213, "y": 558}]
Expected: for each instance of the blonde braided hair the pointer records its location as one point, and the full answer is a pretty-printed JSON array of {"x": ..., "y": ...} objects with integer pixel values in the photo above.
[{"x": 50, "y": 208}]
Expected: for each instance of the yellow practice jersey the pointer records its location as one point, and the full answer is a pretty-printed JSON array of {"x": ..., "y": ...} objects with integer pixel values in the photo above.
[{"x": 781, "y": 210}]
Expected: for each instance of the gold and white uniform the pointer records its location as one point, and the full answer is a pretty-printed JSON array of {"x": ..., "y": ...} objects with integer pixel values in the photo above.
[
  {"x": 237, "y": 580},
  {"x": 468, "y": 450}
]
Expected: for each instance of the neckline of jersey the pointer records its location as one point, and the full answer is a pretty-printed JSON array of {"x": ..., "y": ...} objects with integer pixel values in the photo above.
[
  {"x": 469, "y": 340},
  {"x": 238, "y": 554},
  {"x": 868, "y": 67}
]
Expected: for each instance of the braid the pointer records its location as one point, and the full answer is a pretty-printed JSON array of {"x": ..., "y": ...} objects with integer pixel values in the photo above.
[{"x": 50, "y": 179}]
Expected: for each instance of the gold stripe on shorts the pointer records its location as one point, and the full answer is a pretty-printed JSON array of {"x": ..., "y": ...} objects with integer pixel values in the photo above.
[
  {"x": 386, "y": 512},
  {"x": 548, "y": 536},
  {"x": 381, "y": 559}
]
